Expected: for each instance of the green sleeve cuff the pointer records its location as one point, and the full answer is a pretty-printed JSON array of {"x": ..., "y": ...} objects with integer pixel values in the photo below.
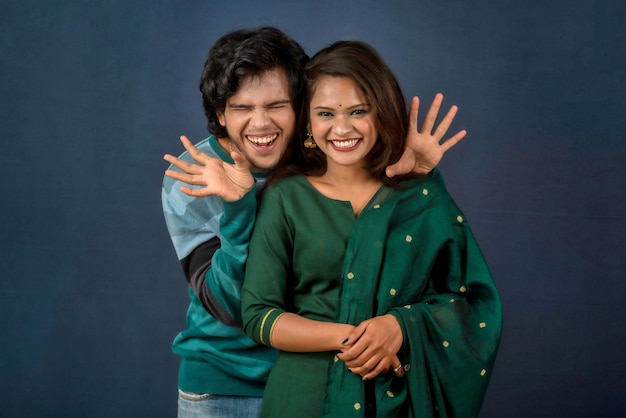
[
  {"x": 267, "y": 325},
  {"x": 245, "y": 206}
]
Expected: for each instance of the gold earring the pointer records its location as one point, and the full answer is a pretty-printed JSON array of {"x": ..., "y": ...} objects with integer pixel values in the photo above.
[{"x": 309, "y": 142}]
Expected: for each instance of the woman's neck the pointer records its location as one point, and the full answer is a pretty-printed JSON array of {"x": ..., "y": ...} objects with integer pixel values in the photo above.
[
  {"x": 353, "y": 184},
  {"x": 350, "y": 176}
]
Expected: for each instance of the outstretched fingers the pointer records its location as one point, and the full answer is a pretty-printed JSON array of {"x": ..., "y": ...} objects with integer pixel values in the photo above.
[
  {"x": 441, "y": 129},
  {"x": 181, "y": 164},
  {"x": 431, "y": 115},
  {"x": 241, "y": 163},
  {"x": 189, "y": 173},
  {"x": 197, "y": 155},
  {"x": 450, "y": 142},
  {"x": 413, "y": 113},
  {"x": 445, "y": 123}
]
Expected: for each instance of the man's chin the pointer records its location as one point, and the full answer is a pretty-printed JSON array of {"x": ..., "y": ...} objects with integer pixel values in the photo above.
[{"x": 264, "y": 164}]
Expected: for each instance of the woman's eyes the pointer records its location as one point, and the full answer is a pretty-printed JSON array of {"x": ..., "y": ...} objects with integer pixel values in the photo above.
[{"x": 356, "y": 112}]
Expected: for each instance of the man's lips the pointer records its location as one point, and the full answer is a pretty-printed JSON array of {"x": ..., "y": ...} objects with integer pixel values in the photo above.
[{"x": 262, "y": 141}]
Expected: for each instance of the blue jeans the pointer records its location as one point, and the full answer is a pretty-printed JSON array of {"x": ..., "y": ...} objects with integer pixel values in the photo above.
[{"x": 192, "y": 405}]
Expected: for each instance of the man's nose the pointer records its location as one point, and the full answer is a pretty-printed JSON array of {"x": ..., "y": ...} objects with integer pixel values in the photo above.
[{"x": 259, "y": 118}]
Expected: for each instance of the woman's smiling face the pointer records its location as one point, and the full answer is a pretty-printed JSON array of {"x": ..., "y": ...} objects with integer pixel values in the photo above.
[{"x": 343, "y": 121}]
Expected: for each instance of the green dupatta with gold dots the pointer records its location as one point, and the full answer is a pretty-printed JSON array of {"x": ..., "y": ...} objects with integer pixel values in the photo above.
[{"x": 413, "y": 255}]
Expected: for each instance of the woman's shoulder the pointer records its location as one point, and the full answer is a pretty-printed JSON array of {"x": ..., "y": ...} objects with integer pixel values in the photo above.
[
  {"x": 286, "y": 183},
  {"x": 432, "y": 182},
  {"x": 287, "y": 188}
]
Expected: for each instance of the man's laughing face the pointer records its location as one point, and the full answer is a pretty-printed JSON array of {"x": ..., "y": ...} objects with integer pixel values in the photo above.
[{"x": 260, "y": 119}]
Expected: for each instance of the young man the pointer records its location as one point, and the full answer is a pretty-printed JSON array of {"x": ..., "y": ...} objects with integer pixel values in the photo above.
[{"x": 252, "y": 89}]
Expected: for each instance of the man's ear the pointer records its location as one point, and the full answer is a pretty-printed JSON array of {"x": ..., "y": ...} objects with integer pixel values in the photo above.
[{"x": 221, "y": 119}]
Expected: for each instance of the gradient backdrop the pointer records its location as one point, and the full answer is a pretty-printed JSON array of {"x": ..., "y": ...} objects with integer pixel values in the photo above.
[{"x": 94, "y": 93}]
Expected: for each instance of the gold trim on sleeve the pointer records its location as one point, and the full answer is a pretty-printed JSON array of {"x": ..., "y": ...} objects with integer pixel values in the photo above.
[
  {"x": 263, "y": 325},
  {"x": 272, "y": 329}
]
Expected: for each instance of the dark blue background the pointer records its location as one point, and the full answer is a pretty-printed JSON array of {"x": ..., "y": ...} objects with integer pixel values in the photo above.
[{"x": 94, "y": 93}]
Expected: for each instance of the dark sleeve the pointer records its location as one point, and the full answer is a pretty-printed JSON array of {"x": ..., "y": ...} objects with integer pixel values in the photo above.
[
  {"x": 195, "y": 267},
  {"x": 215, "y": 268}
]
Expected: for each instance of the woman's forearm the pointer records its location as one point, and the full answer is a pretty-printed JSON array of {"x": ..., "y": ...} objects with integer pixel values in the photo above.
[{"x": 295, "y": 333}]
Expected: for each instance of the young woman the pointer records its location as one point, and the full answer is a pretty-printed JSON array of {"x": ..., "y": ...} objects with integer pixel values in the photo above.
[{"x": 372, "y": 288}]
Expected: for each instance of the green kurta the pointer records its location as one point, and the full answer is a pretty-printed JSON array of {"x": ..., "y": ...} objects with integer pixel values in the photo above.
[{"x": 411, "y": 254}]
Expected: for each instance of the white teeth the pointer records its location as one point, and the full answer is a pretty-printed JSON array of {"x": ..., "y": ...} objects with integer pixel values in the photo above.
[
  {"x": 345, "y": 144},
  {"x": 262, "y": 140}
]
